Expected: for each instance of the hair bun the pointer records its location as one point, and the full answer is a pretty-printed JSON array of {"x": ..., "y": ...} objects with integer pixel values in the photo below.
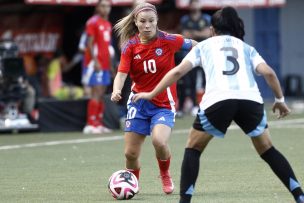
[{"x": 229, "y": 12}]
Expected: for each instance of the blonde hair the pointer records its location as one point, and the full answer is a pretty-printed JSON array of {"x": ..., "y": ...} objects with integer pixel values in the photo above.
[{"x": 126, "y": 28}]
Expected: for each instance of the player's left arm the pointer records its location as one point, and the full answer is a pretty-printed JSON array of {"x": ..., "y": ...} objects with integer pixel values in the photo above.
[
  {"x": 181, "y": 43},
  {"x": 91, "y": 40},
  {"x": 188, "y": 44}
]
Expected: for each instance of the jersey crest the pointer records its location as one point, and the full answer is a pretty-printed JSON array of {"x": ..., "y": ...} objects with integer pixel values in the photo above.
[{"x": 158, "y": 51}]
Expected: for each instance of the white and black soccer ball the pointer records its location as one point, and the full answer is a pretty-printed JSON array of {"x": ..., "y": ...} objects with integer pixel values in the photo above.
[{"x": 123, "y": 185}]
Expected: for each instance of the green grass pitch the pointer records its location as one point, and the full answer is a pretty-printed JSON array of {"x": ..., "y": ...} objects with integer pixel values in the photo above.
[{"x": 231, "y": 171}]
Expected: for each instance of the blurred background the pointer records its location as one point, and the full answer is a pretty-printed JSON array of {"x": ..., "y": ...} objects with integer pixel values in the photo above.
[{"x": 35, "y": 32}]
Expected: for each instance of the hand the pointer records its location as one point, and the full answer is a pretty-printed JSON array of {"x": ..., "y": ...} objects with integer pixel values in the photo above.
[
  {"x": 116, "y": 96},
  {"x": 141, "y": 95},
  {"x": 283, "y": 109}
]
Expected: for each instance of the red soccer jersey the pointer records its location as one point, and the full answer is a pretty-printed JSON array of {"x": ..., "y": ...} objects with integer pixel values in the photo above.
[
  {"x": 149, "y": 63},
  {"x": 101, "y": 30}
]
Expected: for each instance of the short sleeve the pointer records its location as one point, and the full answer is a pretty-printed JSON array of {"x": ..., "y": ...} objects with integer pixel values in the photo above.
[
  {"x": 125, "y": 60},
  {"x": 90, "y": 27},
  {"x": 255, "y": 58},
  {"x": 194, "y": 57},
  {"x": 175, "y": 41}
]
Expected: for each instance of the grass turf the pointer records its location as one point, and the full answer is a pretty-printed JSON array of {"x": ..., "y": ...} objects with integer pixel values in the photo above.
[{"x": 231, "y": 171}]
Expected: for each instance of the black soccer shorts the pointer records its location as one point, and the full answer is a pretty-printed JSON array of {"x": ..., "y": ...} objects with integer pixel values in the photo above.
[{"x": 250, "y": 116}]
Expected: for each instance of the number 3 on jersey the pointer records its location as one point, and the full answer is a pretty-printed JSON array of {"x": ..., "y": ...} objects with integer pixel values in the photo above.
[
  {"x": 231, "y": 59},
  {"x": 150, "y": 66}
]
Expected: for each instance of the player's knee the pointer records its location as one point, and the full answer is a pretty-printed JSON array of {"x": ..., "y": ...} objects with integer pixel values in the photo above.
[
  {"x": 262, "y": 143},
  {"x": 131, "y": 155},
  {"x": 159, "y": 144},
  {"x": 195, "y": 146},
  {"x": 198, "y": 143},
  {"x": 263, "y": 147}
]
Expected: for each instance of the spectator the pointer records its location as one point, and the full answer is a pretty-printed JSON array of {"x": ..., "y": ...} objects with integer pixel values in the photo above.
[
  {"x": 56, "y": 86},
  {"x": 196, "y": 24}
]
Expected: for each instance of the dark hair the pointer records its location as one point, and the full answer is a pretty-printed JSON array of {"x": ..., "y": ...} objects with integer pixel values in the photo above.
[{"x": 227, "y": 21}]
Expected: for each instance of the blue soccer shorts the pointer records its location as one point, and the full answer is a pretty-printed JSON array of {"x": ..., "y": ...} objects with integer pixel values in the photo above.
[
  {"x": 143, "y": 116},
  {"x": 91, "y": 77}
]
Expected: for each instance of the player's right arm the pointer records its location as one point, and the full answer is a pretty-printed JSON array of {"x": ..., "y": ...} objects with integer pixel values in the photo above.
[
  {"x": 97, "y": 66},
  {"x": 118, "y": 84},
  {"x": 91, "y": 30},
  {"x": 122, "y": 73}
]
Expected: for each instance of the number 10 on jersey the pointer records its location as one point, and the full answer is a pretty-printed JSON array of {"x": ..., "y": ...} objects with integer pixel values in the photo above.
[{"x": 150, "y": 66}]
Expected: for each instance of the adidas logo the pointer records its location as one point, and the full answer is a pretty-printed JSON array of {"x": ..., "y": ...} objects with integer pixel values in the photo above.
[
  {"x": 162, "y": 119},
  {"x": 137, "y": 56}
]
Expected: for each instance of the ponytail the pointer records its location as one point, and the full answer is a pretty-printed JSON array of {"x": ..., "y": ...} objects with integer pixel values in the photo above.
[{"x": 125, "y": 28}]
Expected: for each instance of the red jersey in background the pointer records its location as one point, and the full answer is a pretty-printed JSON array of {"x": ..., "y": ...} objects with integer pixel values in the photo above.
[{"x": 101, "y": 30}]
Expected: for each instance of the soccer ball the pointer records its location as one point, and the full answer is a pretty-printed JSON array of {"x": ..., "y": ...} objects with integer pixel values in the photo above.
[{"x": 123, "y": 185}]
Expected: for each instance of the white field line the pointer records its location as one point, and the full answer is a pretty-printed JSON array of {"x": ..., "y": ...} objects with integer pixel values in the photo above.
[
  {"x": 293, "y": 123},
  {"x": 74, "y": 141},
  {"x": 60, "y": 142}
]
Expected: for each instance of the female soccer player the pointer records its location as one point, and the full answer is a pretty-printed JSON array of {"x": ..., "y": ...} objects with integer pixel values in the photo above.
[
  {"x": 147, "y": 54},
  {"x": 97, "y": 63},
  {"x": 231, "y": 94}
]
